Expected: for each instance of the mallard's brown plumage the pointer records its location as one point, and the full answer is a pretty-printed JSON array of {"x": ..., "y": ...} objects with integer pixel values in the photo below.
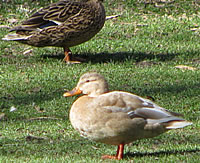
[{"x": 62, "y": 24}]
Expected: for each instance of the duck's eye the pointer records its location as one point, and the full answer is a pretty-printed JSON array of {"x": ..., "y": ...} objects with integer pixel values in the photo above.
[{"x": 91, "y": 80}]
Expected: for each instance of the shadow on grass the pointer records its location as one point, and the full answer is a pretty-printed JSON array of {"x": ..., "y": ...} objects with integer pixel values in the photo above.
[
  {"x": 160, "y": 153},
  {"x": 117, "y": 57},
  {"x": 41, "y": 97},
  {"x": 62, "y": 146},
  {"x": 47, "y": 147},
  {"x": 173, "y": 89},
  {"x": 30, "y": 100},
  {"x": 103, "y": 57}
]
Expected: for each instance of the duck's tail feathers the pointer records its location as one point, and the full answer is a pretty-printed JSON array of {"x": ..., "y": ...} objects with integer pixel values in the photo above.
[
  {"x": 171, "y": 122},
  {"x": 177, "y": 124},
  {"x": 15, "y": 37}
]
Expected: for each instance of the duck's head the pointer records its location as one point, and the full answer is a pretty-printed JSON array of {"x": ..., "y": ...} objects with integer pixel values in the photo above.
[{"x": 91, "y": 84}]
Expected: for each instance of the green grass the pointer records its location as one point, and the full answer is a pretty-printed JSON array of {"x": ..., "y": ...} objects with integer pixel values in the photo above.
[{"x": 137, "y": 52}]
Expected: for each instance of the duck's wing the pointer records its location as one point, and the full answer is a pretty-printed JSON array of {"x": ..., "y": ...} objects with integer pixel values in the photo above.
[
  {"x": 138, "y": 107},
  {"x": 52, "y": 15}
]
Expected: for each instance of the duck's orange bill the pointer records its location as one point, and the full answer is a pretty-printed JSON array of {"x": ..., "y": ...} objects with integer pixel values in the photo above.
[{"x": 75, "y": 91}]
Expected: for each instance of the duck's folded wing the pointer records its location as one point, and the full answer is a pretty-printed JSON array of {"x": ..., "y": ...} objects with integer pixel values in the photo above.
[
  {"x": 53, "y": 15},
  {"x": 137, "y": 107},
  {"x": 133, "y": 105}
]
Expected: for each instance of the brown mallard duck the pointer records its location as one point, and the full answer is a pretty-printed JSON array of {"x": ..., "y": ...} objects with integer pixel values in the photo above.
[
  {"x": 117, "y": 117},
  {"x": 64, "y": 24}
]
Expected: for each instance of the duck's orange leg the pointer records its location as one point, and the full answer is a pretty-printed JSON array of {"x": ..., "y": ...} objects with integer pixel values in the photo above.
[
  {"x": 68, "y": 57},
  {"x": 119, "y": 155},
  {"x": 68, "y": 54}
]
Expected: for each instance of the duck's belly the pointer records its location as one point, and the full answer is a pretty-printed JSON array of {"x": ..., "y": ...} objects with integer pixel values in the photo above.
[{"x": 68, "y": 39}]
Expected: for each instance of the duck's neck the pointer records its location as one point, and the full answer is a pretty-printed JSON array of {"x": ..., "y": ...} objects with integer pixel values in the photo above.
[{"x": 98, "y": 90}]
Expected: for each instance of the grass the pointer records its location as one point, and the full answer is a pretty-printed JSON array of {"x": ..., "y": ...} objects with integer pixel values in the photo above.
[{"x": 137, "y": 52}]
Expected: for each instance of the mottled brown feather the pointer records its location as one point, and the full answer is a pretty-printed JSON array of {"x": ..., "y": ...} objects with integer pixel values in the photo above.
[{"x": 65, "y": 24}]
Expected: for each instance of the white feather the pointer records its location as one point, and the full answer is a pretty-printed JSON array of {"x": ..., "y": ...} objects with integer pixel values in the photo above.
[
  {"x": 14, "y": 37},
  {"x": 178, "y": 124}
]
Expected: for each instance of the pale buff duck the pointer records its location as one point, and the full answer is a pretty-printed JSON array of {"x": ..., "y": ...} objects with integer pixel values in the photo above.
[{"x": 117, "y": 117}]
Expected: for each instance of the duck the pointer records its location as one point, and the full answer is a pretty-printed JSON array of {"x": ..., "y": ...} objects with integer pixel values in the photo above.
[
  {"x": 117, "y": 117},
  {"x": 65, "y": 24}
]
